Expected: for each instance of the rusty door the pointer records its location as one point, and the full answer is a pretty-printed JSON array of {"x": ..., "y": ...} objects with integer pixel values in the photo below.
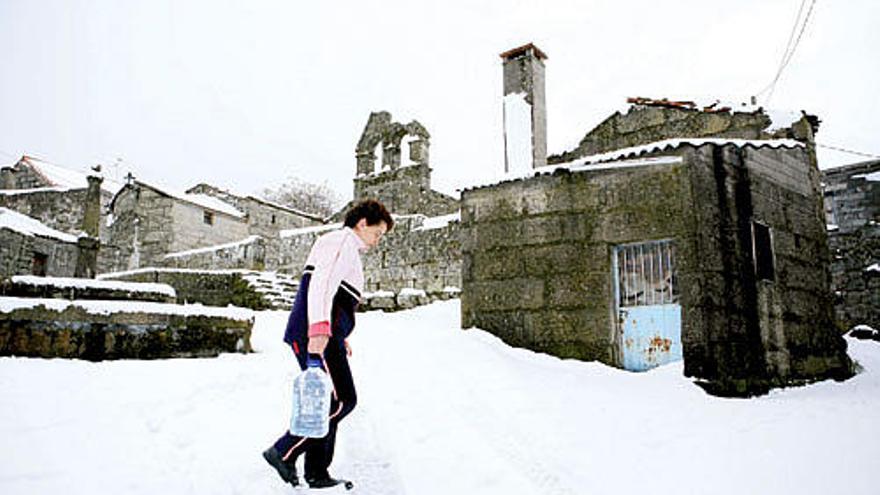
[{"x": 646, "y": 298}]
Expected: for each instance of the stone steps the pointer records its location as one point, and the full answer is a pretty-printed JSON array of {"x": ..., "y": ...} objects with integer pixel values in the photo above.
[{"x": 277, "y": 289}]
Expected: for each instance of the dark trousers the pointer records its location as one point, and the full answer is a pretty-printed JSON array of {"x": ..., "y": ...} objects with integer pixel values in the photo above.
[{"x": 319, "y": 451}]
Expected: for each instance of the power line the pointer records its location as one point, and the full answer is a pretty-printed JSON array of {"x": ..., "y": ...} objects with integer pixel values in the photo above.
[
  {"x": 790, "y": 47},
  {"x": 844, "y": 150},
  {"x": 10, "y": 155}
]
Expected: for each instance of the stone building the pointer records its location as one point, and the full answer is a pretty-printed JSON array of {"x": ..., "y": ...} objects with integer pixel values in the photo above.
[
  {"x": 264, "y": 218},
  {"x": 29, "y": 247},
  {"x": 403, "y": 186},
  {"x": 150, "y": 222},
  {"x": 708, "y": 249},
  {"x": 852, "y": 211},
  {"x": 53, "y": 194}
]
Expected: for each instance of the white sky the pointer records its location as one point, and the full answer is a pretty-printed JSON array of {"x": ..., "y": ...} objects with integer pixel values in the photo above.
[{"x": 244, "y": 94}]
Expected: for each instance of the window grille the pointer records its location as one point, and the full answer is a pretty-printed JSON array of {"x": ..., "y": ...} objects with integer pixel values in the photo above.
[{"x": 646, "y": 274}]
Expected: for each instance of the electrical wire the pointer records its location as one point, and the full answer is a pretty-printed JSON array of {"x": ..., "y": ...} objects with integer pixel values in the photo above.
[
  {"x": 790, "y": 47},
  {"x": 844, "y": 150}
]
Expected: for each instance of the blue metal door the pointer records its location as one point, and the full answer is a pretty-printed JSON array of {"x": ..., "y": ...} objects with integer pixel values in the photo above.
[{"x": 646, "y": 297}]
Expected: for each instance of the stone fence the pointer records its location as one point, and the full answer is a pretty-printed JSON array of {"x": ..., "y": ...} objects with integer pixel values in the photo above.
[
  {"x": 211, "y": 288},
  {"x": 99, "y": 330},
  {"x": 84, "y": 288}
]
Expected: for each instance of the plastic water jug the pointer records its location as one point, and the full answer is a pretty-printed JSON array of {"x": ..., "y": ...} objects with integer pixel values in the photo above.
[{"x": 311, "y": 401}]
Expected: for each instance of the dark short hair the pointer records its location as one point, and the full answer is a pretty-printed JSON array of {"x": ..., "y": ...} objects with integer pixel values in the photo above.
[{"x": 370, "y": 209}]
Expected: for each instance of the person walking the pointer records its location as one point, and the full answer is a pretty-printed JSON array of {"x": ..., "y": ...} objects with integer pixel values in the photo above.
[{"x": 320, "y": 321}]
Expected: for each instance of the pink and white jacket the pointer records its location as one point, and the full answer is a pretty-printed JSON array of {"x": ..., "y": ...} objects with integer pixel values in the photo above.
[{"x": 336, "y": 262}]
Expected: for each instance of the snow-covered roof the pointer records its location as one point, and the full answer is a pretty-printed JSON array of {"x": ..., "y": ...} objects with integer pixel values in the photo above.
[
  {"x": 872, "y": 177},
  {"x": 9, "y": 304},
  {"x": 202, "y": 200},
  {"x": 26, "y": 225},
  {"x": 65, "y": 177},
  {"x": 262, "y": 200},
  {"x": 88, "y": 283},
  {"x": 630, "y": 157},
  {"x": 15, "y": 192},
  {"x": 208, "y": 249},
  {"x": 669, "y": 144},
  {"x": 280, "y": 206}
]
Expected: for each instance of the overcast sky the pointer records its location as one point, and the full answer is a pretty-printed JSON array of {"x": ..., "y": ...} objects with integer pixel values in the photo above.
[{"x": 245, "y": 94}]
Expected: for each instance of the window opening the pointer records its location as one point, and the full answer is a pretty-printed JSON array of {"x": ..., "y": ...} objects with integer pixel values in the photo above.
[{"x": 762, "y": 250}]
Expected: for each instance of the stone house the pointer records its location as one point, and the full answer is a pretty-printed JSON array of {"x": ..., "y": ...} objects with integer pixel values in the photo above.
[
  {"x": 265, "y": 218},
  {"x": 150, "y": 222},
  {"x": 54, "y": 194},
  {"x": 710, "y": 247},
  {"x": 29, "y": 247},
  {"x": 852, "y": 212}
]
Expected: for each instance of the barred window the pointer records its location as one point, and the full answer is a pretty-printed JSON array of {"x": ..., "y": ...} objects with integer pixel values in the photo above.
[{"x": 646, "y": 274}]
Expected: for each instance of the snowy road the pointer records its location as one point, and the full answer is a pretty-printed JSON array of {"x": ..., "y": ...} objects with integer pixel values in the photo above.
[{"x": 440, "y": 411}]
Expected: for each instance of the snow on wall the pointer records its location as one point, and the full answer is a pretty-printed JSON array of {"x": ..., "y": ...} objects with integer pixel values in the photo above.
[
  {"x": 439, "y": 222},
  {"x": 87, "y": 283},
  {"x": 208, "y": 249},
  {"x": 10, "y": 304},
  {"x": 517, "y": 133}
]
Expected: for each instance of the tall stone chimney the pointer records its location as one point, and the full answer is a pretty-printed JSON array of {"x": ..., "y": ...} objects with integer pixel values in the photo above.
[
  {"x": 89, "y": 243},
  {"x": 525, "y": 111}
]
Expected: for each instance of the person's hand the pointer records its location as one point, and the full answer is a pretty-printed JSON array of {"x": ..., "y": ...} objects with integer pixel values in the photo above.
[
  {"x": 318, "y": 343},
  {"x": 347, "y": 347}
]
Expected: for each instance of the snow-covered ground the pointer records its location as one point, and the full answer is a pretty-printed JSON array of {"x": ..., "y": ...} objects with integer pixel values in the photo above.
[{"x": 441, "y": 411}]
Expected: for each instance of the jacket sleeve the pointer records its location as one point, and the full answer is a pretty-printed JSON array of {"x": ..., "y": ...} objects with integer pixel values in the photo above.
[{"x": 332, "y": 260}]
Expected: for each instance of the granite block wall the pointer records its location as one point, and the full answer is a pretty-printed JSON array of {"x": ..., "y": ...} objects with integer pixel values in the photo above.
[
  {"x": 852, "y": 208},
  {"x": 537, "y": 253},
  {"x": 410, "y": 256},
  {"x": 745, "y": 333},
  {"x": 17, "y": 253},
  {"x": 211, "y": 288},
  {"x": 74, "y": 333}
]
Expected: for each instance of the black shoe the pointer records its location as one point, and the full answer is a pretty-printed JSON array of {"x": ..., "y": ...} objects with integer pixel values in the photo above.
[
  {"x": 285, "y": 470},
  {"x": 324, "y": 482}
]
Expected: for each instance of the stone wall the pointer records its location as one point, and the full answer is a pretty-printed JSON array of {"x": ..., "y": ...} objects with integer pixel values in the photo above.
[
  {"x": 263, "y": 218},
  {"x": 537, "y": 263},
  {"x": 405, "y": 190},
  {"x": 852, "y": 208},
  {"x": 643, "y": 124},
  {"x": 190, "y": 231},
  {"x": 21, "y": 177},
  {"x": 149, "y": 224},
  {"x": 855, "y": 276},
  {"x": 74, "y": 332},
  {"x": 537, "y": 253},
  {"x": 211, "y": 288},
  {"x": 78, "y": 288},
  {"x": 59, "y": 209},
  {"x": 744, "y": 333},
  {"x": 17, "y": 253},
  {"x": 412, "y": 255},
  {"x": 248, "y": 254}
]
